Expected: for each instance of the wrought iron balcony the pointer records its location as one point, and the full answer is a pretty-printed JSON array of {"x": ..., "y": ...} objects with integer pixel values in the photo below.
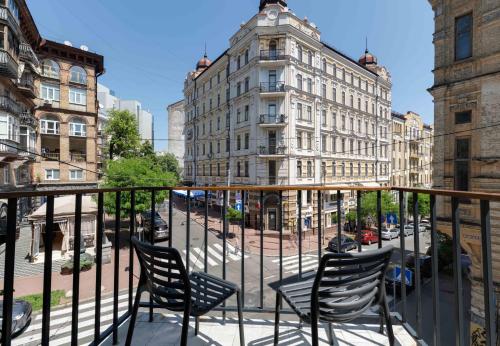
[
  {"x": 276, "y": 87},
  {"x": 207, "y": 240},
  {"x": 27, "y": 85},
  {"x": 272, "y": 55},
  {"x": 8, "y": 147},
  {"x": 272, "y": 119},
  {"x": 8, "y": 65},
  {"x": 26, "y": 53},
  {"x": 272, "y": 150},
  {"x": 27, "y": 118},
  {"x": 9, "y": 105}
]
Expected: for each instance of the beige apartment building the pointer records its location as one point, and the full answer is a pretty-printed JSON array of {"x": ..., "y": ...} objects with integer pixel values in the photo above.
[
  {"x": 466, "y": 95},
  {"x": 280, "y": 106},
  {"x": 412, "y": 142},
  {"x": 67, "y": 112}
]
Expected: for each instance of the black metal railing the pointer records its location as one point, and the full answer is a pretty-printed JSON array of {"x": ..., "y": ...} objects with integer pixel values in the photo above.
[
  {"x": 270, "y": 119},
  {"x": 251, "y": 195},
  {"x": 272, "y": 87},
  {"x": 272, "y": 150},
  {"x": 272, "y": 55}
]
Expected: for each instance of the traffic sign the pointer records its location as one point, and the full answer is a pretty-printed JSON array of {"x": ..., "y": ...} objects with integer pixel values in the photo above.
[
  {"x": 238, "y": 207},
  {"x": 408, "y": 272},
  {"x": 392, "y": 218}
]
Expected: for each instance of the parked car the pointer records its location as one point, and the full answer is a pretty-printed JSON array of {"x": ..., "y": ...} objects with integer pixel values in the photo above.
[
  {"x": 21, "y": 316},
  {"x": 389, "y": 234},
  {"x": 421, "y": 227},
  {"x": 161, "y": 226},
  {"x": 368, "y": 237},
  {"x": 408, "y": 230},
  {"x": 346, "y": 244}
]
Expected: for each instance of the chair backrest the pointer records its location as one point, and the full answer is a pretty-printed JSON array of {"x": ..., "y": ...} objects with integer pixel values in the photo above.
[
  {"x": 166, "y": 277},
  {"x": 347, "y": 284}
]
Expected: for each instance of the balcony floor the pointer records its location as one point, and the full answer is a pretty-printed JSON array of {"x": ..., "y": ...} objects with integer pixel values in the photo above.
[{"x": 166, "y": 329}]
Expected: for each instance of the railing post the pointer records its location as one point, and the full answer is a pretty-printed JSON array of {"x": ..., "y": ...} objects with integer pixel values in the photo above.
[
  {"x": 8, "y": 288},
  {"x": 188, "y": 228},
  {"x": 116, "y": 274},
  {"x": 131, "y": 250},
  {"x": 435, "y": 273},
  {"x": 379, "y": 218},
  {"x": 339, "y": 221},
  {"x": 299, "y": 225},
  {"x": 205, "y": 234},
  {"x": 457, "y": 272},
  {"x": 403, "y": 254},
  {"x": 224, "y": 235},
  {"x": 489, "y": 290},
  {"x": 320, "y": 196},
  {"x": 76, "y": 268},
  {"x": 416, "y": 242},
  {"x": 261, "y": 227},
  {"x": 243, "y": 203},
  {"x": 98, "y": 266},
  {"x": 47, "y": 270},
  {"x": 358, "y": 219}
]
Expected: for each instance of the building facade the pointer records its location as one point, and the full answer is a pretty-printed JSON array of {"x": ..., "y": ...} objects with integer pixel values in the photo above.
[
  {"x": 109, "y": 101},
  {"x": 280, "y": 106},
  {"x": 466, "y": 95},
  {"x": 412, "y": 142},
  {"x": 67, "y": 115},
  {"x": 176, "y": 133}
]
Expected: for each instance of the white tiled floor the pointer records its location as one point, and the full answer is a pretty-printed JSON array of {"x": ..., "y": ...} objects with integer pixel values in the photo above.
[{"x": 165, "y": 330}]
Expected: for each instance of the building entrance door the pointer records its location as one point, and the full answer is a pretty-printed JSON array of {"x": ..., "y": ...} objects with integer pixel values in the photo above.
[{"x": 271, "y": 219}]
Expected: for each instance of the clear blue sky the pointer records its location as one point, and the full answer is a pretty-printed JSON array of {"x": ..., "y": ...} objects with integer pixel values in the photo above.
[{"x": 149, "y": 46}]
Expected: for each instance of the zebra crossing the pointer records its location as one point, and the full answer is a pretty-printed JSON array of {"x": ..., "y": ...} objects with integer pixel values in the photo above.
[
  {"x": 60, "y": 323},
  {"x": 291, "y": 263},
  {"x": 214, "y": 256}
]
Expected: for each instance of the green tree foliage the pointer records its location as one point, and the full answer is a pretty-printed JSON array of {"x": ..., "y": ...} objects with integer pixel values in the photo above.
[
  {"x": 234, "y": 215},
  {"x": 424, "y": 204},
  {"x": 169, "y": 163},
  {"x": 124, "y": 140},
  {"x": 129, "y": 172},
  {"x": 369, "y": 204}
]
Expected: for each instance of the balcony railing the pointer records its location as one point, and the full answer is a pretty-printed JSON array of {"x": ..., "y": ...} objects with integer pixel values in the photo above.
[
  {"x": 272, "y": 119},
  {"x": 27, "y": 85},
  {"x": 272, "y": 150},
  {"x": 272, "y": 55},
  {"x": 27, "y": 53},
  {"x": 27, "y": 118},
  {"x": 9, "y": 105},
  {"x": 51, "y": 156},
  {"x": 8, "y": 146},
  {"x": 8, "y": 65},
  {"x": 77, "y": 157},
  {"x": 253, "y": 277},
  {"x": 275, "y": 87}
]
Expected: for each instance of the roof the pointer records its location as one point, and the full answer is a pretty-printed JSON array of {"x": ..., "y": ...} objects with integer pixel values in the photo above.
[
  {"x": 398, "y": 115},
  {"x": 347, "y": 57},
  {"x": 212, "y": 64},
  {"x": 65, "y": 206}
]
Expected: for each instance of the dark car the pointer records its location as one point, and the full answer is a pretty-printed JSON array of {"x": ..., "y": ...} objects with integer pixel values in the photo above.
[
  {"x": 21, "y": 316},
  {"x": 346, "y": 244},
  {"x": 161, "y": 227}
]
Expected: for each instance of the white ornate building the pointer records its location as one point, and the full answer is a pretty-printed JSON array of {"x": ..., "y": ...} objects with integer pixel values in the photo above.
[{"x": 280, "y": 106}]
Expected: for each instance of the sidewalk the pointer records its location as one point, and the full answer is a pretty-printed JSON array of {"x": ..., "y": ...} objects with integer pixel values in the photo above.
[{"x": 252, "y": 236}]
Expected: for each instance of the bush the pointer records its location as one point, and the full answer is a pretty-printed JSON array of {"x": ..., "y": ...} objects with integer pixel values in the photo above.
[{"x": 86, "y": 263}]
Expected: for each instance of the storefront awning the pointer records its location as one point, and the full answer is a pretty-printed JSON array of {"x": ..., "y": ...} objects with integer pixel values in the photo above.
[{"x": 192, "y": 194}]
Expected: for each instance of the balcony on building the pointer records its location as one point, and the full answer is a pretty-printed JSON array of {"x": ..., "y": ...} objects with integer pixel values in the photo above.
[
  {"x": 272, "y": 120},
  {"x": 272, "y": 58},
  {"x": 27, "y": 54},
  {"x": 271, "y": 151},
  {"x": 50, "y": 138},
  {"x": 272, "y": 89},
  {"x": 77, "y": 140},
  {"x": 27, "y": 85}
]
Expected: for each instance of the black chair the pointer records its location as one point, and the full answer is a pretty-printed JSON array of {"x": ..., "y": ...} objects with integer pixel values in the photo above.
[
  {"x": 164, "y": 276},
  {"x": 345, "y": 286}
]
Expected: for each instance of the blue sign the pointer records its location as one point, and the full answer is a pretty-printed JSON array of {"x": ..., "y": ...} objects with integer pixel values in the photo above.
[
  {"x": 392, "y": 219},
  {"x": 238, "y": 207},
  {"x": 408, "y": 272}
]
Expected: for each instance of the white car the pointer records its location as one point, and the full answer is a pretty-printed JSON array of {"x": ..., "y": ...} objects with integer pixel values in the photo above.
[
  {"x": 421, "y": 227},
  {"x": 389, "y": 234},
  {"x": 408, "y": 230}
]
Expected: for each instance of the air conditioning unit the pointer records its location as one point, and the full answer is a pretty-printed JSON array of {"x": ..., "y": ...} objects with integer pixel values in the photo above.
[{"x": 48, "y": 102}]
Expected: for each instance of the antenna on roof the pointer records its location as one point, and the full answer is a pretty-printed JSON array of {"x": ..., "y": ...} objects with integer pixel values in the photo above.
[
  {"x": 206, "y": 49},
  {"x": 366, "y": 44}
]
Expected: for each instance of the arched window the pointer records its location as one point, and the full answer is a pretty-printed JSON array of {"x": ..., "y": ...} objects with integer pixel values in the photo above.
[
  {"x": 299, "y": 53},
  {"x": 299, "y": 81},
  {"x": 50, "y": 69},
  {"x": 324, "y": 65},
  {"x": 77, "y": 128},
  {"x": 49, "y": 124},
  {"x": 77, "y": 75}
]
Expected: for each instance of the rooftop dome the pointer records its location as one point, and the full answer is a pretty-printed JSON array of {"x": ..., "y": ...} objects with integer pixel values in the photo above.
[
  {"x": 203, "y": 63},
  {"x": 368, "y": 59},
  {"x": 263, "y": 3}
]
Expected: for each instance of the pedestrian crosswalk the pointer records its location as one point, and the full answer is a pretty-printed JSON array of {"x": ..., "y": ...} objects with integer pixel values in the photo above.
[
  {"x": 291, "y": 263},
  {"x": 60, "y": 323},
  {"x": 214, "y": 256}
]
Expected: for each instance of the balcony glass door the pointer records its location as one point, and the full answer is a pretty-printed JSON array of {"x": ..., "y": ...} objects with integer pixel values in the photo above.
[
  {"x": 272, "y": 80},
  {"x": 271, "y": 219},
  {"x": 272, "y": 113},
  {"x": 272, "y": 142},
  {"x": 272, "y": 172}
]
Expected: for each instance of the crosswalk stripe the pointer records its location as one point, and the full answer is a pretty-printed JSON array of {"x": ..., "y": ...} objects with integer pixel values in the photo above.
[
  {"x": 234, "y": 250},
  {"x": 304, "y": 263},
  {"x": 67, "y": 339},
  {"x": 216, "y": 254},
  {"x": 304, "y": 269},
  {"x": 229, "y": 253},
  {"x": 210, "y": 261},
  {"x": 195, "y": 260},
  {"x": 287, "y": 258}
]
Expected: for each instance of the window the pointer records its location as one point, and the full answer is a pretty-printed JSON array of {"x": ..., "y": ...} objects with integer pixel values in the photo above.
[
  {"x": 323, "y": 143},
  {"x": 334, "y": 94},
  {"x": 50, "y": 92},
  {"x": 247, "y": 169},
  {"x": 309, "y": 85},
  {"x": 79, "y": 96},
  {"x": 463, "y": 37},
  {"x": 228, "y": 145},
  {"x": 309, "y": 113},
  {"x": 49, "y": 126},
  {"x": 352, "y": 101},
  {"x": 343, "y": 122},
  {"x": 6, "y": 175},
  {"x": 299, "y": 169},
  {"x": 310, "y": 58},
  {"x": 247, "y": 84},
  {"x": 299, "y": 111},
  {"x": 246, "y": 57},
  {"x": 51, "y": 174},
  {"x": 309, "y": 141},
  {"x": 343, "y": 97},
  {"x": 76, "y": 174},
  {"x": 238, "y": 89},
  {"x": 343, "y": 169},
  {"x": 247, "y": 112},
  {"x": 247, "y": 140},
  {"x": 334, "y": 120},
  {"x": 238, "y": 169},
  {"x": 300, "y": 53},
  {"x": 323, "y": 169},
  {"x": 77, "y": 128},
  {"x": 218, "y": 77},
  {"x": 334, "y": 168},
  {"x": 462, "y": 164},
  {"x": 324, "y": 65},
  {"x": 351, "y": 169},
  {"x": 50, "y": 69},
  {"x": 238, "y": 116},
  {"x": 463, "y": 117},
  {"x": 323, "y": 117},
  {"x": 299, "y": 81},
  {"x": 238, "y": 62},
  {"x": 343, "y": 74},
  {"x": 299, "y": 140},
  {"x": 323, "y": 90},
  {"x": 309, "y": 169},
  {"x": 238, "y": 142},
  {"x": 77, "y": 75},
  {"x": 334, "y": 145}
]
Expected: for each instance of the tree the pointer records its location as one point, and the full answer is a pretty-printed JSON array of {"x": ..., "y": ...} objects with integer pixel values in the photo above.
[
  {"x": 169, "y": 163},
  {"x": 124, "y": 139},
  {"x": 131, "y": 172},
  {"x": 369, "y": 204},
  {"x": 424, "y": 204},
  {"x": 147, "y": 150}
]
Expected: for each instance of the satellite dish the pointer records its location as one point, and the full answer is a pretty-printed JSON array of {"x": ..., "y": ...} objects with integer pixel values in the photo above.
[
  {"x": 84, "y": 48},
  {"x": 68, "y": 43}
]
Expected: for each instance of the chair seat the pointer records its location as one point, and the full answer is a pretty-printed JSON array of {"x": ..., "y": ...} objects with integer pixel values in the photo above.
[{"x": 208, "y": 291}]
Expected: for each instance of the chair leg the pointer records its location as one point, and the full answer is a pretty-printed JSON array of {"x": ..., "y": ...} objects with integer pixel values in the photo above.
[
  {"x": 185, "y": 327},
  {"x": 240, "y": 319},
  {"x": 277, "y": 318},
  {"x": 314, "y": 332},
  {"x": 388, "y": 321},
  {"x": 133, "y": 317},
  {"x": 196, "y": 325},
  {"x": 330, "y": 334}
]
